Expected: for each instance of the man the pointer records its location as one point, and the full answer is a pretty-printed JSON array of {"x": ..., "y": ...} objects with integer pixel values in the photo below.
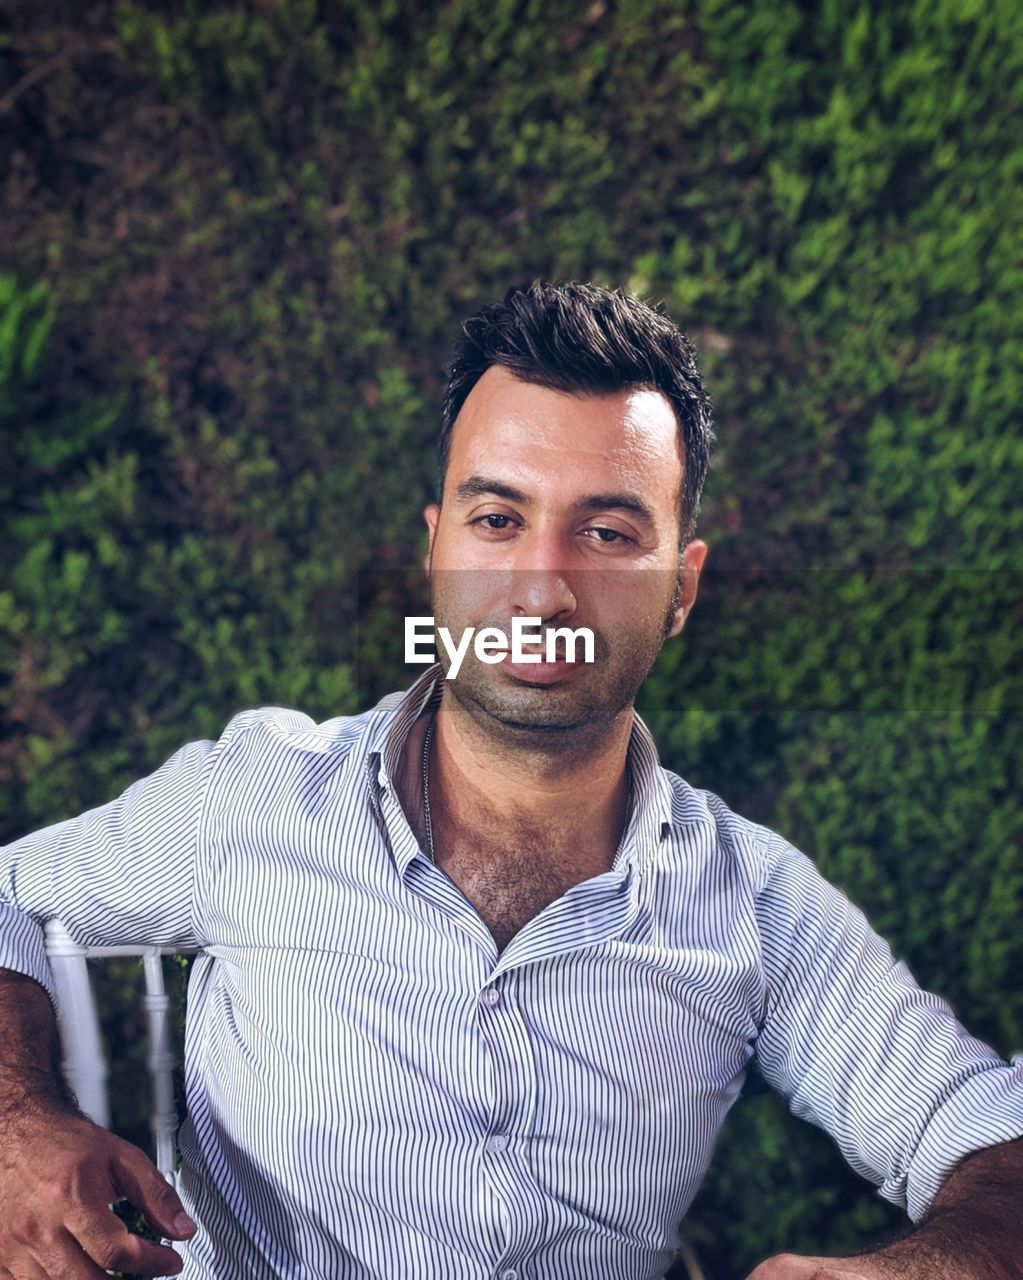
[{"x": 480, "y": 980}]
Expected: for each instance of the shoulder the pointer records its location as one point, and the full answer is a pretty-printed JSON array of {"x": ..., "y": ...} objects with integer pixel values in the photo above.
[
  {"x": 756, "y": 852},
  {"x": 261, "y": 734}
]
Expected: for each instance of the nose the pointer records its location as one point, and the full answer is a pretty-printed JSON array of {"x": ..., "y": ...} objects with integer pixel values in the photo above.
[
  {"x": 540, "y": 586},
  {"x": 541, "y": 594}
]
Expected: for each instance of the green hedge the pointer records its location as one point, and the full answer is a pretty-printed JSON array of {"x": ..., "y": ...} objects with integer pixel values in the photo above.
[{"x": 238, "y": 240}]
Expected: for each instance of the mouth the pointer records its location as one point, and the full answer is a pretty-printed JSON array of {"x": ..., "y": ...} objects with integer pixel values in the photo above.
[{"x": 540, "y": 671}]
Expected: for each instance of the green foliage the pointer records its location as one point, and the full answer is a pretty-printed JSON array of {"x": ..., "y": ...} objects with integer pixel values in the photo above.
[
  {"x": 241, "y": 237},
  {"x": 26, "y": 318}
]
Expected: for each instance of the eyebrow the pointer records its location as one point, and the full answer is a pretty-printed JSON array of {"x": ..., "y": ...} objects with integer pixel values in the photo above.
[
  {"x": 477, "y": 486},
  {"x": 619, "y": 502}
]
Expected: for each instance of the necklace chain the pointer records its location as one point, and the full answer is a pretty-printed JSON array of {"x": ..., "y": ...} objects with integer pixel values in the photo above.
[
  {"x": 428, "y": 821},
  {"x": 426, "y": 790}
]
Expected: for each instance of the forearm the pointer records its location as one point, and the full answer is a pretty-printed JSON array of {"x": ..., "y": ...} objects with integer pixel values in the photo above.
[
  {"x": 973, "y": 1231},
  {"x": 974, "y": 1228},
  {"x": 30, "y": 1070},
  {"x": 59, "y": 1172}
]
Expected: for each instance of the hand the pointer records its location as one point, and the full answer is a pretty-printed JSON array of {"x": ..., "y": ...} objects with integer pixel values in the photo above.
[
  {"x": 789, "y": 1266},
  {"x": 59, "y": 1172}
]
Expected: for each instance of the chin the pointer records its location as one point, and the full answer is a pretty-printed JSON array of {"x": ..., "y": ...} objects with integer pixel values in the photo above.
[{"x": 541, "y": 710}]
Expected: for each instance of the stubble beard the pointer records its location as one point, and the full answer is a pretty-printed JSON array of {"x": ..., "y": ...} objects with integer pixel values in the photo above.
[{"x": 560, "y": 718}]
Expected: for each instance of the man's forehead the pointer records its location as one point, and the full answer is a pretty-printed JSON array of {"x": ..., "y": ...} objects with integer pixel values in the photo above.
[{"x": 504, "y": 413}]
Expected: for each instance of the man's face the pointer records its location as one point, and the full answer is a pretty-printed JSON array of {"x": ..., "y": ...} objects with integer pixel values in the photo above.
[{"x": 566, "y": 508}]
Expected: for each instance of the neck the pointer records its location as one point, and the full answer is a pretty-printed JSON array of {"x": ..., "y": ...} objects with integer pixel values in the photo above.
[{"x": 480, "y": 783}]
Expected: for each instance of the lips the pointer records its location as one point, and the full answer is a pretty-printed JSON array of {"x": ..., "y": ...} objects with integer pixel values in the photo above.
[
  {"x": 540, "y": 651},
  {"x": 541, "y": 672}
]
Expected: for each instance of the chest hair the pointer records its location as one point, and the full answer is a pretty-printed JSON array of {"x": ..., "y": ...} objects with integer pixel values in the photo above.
[
  {"x": 507, "y": 881},
  {"x": 510, "y": 882}
]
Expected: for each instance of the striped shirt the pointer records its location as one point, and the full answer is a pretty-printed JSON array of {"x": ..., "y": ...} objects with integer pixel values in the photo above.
[{"x": 373, "y": 1090}]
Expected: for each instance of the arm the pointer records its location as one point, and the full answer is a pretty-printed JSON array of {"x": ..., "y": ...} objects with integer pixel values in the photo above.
[
  {"x": 916, "y": 1104},
  {"x": 59, "y": 1172},
  {"x": 973, "y": 1231},
  {"x": 121, "y": 873}
]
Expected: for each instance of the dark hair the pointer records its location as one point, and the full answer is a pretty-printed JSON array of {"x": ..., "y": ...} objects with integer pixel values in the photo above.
[{"x": 583, "y": 339}]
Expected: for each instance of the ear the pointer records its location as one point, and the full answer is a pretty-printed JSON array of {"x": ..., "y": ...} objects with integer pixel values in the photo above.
[
  {"x": 431, "y": 515},
  {"x": 690, "y": 565}
]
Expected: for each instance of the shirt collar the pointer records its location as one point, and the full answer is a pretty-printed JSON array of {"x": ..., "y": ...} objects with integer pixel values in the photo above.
[{"x": 652, "y": 794}]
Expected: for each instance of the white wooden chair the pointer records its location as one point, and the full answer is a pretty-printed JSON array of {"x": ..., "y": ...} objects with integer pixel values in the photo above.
[{"x": 85, "y": 1062}]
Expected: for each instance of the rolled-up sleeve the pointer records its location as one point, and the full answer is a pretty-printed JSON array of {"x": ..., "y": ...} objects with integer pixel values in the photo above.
[
  {"x": 119, "y": 874},
  {"x": 860, "y": 1050}
]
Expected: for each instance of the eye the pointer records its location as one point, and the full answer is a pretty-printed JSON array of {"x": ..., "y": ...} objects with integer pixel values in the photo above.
[
  {"x": 494, "y": 521},
  {"x": 609, "y": 536}
]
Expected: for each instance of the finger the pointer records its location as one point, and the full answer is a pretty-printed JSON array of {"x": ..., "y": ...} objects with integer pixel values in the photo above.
[
  {"x": 140, "y": 1182},
  {"x": 60, "y": 1258},
  {"x": 45, "y": 1254},
  {"x": 786, "y": 1266},
  {"x": 64, "y": 1259},
  {"x": 107, "y": 1241},
  {"x": 26, "y": 1269},
  {"x": 791, "y": 1266}
]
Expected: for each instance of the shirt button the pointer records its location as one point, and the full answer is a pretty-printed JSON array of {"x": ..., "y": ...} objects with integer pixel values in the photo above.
[
  {"x": 498, "y": 1143},
  {"x": 491, "y": 996},
  {"x": 510, "y": 1274}
]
